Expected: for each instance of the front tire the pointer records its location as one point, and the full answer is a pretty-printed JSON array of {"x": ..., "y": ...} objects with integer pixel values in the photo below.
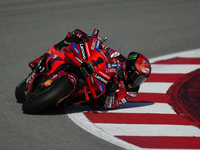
[
  {"x": 19, "y": 91},
  {"x": 48, "y": 96}
]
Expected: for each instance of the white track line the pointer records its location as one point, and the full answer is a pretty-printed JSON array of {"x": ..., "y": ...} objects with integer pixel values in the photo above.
[
  {"x": 155, "y": 87},
  {"x": 136, "y": 107},
  {"x": 150, "y": 130},
  {"x": 187, "y": 54},
  {"x": 81, "y": 120},
  {"x": 182, "y": 68}
]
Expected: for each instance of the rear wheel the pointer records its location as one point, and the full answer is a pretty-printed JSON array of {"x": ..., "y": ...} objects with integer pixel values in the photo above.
[
  {"x": 48, "y": 96},
  {"x": 19, "y": 91}
]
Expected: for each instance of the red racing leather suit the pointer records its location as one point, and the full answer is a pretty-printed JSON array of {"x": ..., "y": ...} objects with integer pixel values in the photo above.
[{"x": 117, "y": 90}]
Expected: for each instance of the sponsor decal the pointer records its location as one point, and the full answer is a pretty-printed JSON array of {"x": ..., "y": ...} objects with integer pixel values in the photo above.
[
  {"x": 111, "y": 65},
  {"x": 98, "y": 44},
  {"x": 47, "y": 83},
  {"x": 110, "y": 70},
  {"x": 76, "y": 48},
  {"x": 29, "y": 79},
  {"x": 93, "y": 44},
  {"x": 133, "y": 56},
  {"x": 108, "y": 65},
  {"x": 101, "y": 86},
  {"x": 83, "y": 51},
  {"x": 101, "y": 78},
  {"x": 145, "y": 70}
]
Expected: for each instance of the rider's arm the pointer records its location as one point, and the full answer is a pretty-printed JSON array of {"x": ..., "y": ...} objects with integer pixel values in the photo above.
[
  {"x": 112, "y": 54},
  {"x": 111, "y": 89},
  {"x": 75, "y": 36},
  {"x": 120, "y": 95}
]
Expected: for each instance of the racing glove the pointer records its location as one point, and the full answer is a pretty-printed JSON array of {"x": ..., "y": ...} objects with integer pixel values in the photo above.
[
  {"x": 111, "y": 87},
  {"x": 110, "y": 102},
  {"x": 76, "y": 36}
]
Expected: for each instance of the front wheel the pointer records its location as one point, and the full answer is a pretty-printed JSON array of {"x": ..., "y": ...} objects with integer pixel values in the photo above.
[
  {"x": 48, "y": 96},
  {"x": 19, "y": 91}
]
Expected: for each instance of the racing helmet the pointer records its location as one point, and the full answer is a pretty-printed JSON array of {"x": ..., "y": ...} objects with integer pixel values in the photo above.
[{"x": 138, "y": 69}]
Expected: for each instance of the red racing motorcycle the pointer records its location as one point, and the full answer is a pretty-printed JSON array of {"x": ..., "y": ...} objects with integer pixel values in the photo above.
[{"x": 78, "y": 70}]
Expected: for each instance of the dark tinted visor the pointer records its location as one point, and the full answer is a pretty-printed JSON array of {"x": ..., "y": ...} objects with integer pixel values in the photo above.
[{"x": 137, "y": 79}]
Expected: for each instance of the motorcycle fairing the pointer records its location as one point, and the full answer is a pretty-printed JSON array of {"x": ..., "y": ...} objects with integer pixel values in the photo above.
[
  {"x": 92, "y": 55},
  {"x": 78, "y": 54},
  {"x": 46, "y": 67},
  {"x": 75, "y": 47}
]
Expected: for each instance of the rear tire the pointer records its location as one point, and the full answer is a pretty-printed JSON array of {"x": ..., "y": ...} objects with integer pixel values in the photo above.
[
  {"x": 19, "y": 91},
  {"x": 48, "y": 96}
]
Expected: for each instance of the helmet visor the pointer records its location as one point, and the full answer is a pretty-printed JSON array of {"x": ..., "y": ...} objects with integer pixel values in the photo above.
[{"x": 136, "y": 79}]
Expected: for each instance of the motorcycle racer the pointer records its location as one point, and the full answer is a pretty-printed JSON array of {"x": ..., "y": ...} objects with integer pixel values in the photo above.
[{"x": 125, "y": 82}]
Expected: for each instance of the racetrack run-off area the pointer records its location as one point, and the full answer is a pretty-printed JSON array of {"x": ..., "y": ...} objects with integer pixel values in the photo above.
[{"x": 157, "y": 118}]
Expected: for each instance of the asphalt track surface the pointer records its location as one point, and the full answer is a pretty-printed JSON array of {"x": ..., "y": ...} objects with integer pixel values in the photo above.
[{"x": 30, "y": 27}]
